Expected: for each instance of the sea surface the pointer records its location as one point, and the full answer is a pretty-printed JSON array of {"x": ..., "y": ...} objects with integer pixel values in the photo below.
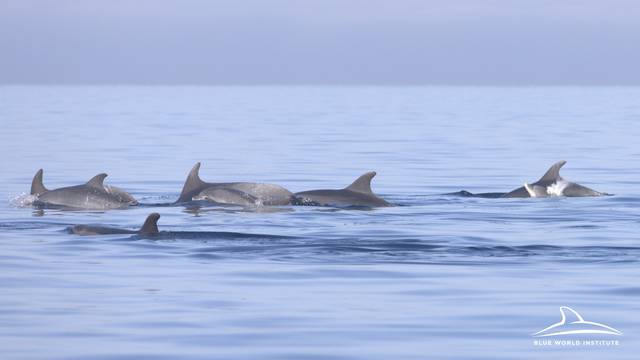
[{"x": 435, "y": 277}]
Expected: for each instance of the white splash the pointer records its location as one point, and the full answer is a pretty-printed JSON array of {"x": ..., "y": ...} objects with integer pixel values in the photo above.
[
  {"x": 22, "y": 200},
  {"x": 557, "y": 188},
  {"x": 535, "y": 190}
]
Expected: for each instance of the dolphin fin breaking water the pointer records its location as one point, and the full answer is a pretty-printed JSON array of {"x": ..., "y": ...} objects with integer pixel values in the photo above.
[
  {"x": 150, "y": 227},
  {"x": 235, "y": 193},
  {"x": 91, "y": 195},
  {"x": 550, "y": 184},
  {"x": 37, "y": 186},
  {"x": 97, "y": 181},
  {"x": 359, "y": 193},
  {"x": 363, "y": 183},
  {"x": 193, "y": 185}
]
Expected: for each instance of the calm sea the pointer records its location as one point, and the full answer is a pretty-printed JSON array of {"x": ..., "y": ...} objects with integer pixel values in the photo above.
[{"x": 434, "y": 277}]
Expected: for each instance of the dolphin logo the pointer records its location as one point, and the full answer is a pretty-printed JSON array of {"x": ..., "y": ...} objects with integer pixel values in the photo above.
[{"x": 573, "y": 323}]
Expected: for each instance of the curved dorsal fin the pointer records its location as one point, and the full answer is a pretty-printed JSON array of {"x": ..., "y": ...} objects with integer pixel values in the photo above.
[
  {"x": 150, "y": 225},
  {"x": 363, "y": 183},
  {"x": 554, "y": 172},
  {"x": 97, "y": 181},
  {"x": 37, "y": 187},
  {"x": 192, "y": 185}
]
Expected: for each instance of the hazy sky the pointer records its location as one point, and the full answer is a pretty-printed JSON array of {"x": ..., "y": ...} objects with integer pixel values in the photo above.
[{"x": 493, "y": 42}]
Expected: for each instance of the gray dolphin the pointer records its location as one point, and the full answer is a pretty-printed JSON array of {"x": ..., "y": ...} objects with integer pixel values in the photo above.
[
  {"x": 92, "y": 195},
  {"x": 150, "y": 227},
  {"x": 552, "y": 184},
  {"x": 359, "y": 193},
  {"x": 237, "y": 193},
  {"x": 227, "y": 196}
]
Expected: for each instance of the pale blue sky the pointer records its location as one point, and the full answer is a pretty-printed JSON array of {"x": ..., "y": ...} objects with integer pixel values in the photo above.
[{"x": 499, "y": 42}]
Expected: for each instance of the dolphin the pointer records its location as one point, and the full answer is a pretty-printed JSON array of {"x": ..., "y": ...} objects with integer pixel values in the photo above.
[
  {"x": 150, "y": 227},
  {"x": 236, "y": 193},
  {"x": 92, "y": 195},
  {"x": 552, "y": 184},
  {"x": 465, "y": 193},
  {"x": 572, "y": 323},
  {"x": 359, "y": 193},
  {"x": 227, "y": 196}
]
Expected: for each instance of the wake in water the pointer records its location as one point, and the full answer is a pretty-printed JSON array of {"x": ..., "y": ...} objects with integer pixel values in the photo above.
[
  {"x": 22, "y": 200},
  {"x": 232, "y": 245}
]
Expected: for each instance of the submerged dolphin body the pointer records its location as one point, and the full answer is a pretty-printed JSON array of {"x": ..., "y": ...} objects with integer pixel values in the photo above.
[
  {"x": 150, "y": 227},
  {"x": 236, "y": 193},
  {"x": 359, "y": 193},
  {"x": 92, "y": 195},
  {"x": 465, "y": 193},
  {"x": 552, "y": 184}
]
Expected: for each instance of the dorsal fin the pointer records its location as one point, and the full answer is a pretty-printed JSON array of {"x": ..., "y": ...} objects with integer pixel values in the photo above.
[
  {"x": 363, "y": 183},
  {"x": 192, "y": 185},
  {"x": 37, "y": 187},
  {"x": 97, "y": 181},
  {"x": 553, "y": 173},
  {"x": 150, "y": 225}
]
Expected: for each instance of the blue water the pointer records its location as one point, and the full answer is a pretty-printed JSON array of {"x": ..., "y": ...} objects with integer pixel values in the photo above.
[{"x": 434, "y": 277}]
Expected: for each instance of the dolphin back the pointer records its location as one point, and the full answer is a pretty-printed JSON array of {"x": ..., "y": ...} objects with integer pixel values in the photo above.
[
  {"x": 89, "y": 230},
  {"x": 223, "y": 195},
  {"x": 577, "y": 190},
  {"x": 552, "y": 175},
  {"x": 359, "y": 193},
  {"x": 150, "y": 227},
  {"x": 91, "y": 195}
]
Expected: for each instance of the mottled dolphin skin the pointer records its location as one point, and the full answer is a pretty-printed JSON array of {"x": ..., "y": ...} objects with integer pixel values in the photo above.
[
  {"x": 236, "y": 193},
  {"x": 227, "y": 196},
  {"x": 552, "y": 184},
  {"x": 92, "y": 195},
  {"x": 359, "y": 193},
  {"x": 150, "y": 227}
]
